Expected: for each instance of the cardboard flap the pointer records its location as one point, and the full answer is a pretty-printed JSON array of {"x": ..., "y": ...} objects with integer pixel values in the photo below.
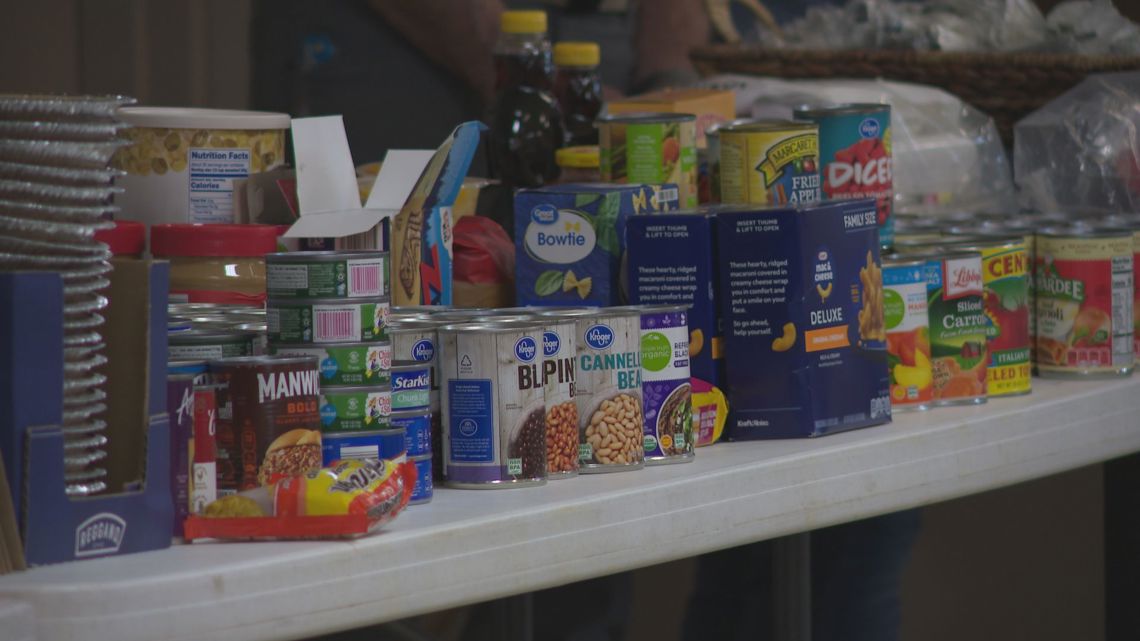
[{"x": 398, "y": 175}]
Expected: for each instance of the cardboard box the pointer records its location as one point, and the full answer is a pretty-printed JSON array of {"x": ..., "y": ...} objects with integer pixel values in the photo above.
[
  {"x": 802, "y": 354},
  {"x": 414, "y": 188},
  {"x": 711, "y": 106},
  {"x": 672, "y": 261},
  {"x": 569, "y": 240}
]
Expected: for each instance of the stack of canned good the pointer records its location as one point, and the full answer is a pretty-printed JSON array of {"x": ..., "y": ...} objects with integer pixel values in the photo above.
[
  {"x": 975, "y": 303},
  {"x": 531, "y": 394},
  {"x": 334, "y": 306}
]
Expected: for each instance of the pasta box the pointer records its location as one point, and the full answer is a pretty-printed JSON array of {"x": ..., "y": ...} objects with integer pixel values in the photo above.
[
  {"x": 671, "y": 261},
  {"x": 569, "y": 240},
  {"x": 802, "y": 308}
]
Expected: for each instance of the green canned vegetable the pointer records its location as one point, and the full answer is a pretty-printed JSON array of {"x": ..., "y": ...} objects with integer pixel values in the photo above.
[
  {"x": 355, "y": 409},
  {"x": 348, "y": 364}
]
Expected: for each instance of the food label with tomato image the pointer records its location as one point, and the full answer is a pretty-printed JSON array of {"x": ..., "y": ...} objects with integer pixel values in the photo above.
[
  {"x": 1004, "y": 271},
  {"x": 855, "y": 150},
  {"x": 777, "y": 167},
  {"x": 908, "y": 335},
  {"x": 957, "y": 318},
  {"x": 652, "y": 153},
  {"x": 1084, "y": 305}
]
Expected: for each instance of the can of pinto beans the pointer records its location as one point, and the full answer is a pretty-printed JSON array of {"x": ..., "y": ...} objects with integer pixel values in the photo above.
[
  {"x": 494, "y": 411},
  {"x": 559, "y": 366},
  {"x": 665, "y": 386}
]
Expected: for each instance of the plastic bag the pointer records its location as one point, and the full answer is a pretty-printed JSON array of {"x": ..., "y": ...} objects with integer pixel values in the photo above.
[
  {"x": 484, "y": 264},
  {"x": 346, "y": 499},
  {"x": 1080, "y": 153},
  {"x": 946, "y": 155}
]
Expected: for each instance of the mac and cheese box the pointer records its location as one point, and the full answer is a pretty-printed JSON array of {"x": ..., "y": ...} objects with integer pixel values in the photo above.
[
  {"x": 569, "y": 240},
  {"x": 802, "y": 307},
  {"x": 672, "y": 261}
]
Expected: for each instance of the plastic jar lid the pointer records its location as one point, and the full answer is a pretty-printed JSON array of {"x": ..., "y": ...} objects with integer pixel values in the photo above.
[
  {"x": 581, "y": 157},
  {"x": 213, "y": 240},
  {"x": 523, "y": 22},
  {"x": 126, "y": 238},
  {"x": 577, "y": 54},
  {"x": 194, "y": 118}
]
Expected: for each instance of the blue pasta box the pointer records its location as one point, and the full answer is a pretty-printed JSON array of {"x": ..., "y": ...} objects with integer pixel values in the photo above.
[
  {"x": 569, "y": 240},
  {"x": 672, "y": 261},
  {"x": 802, "y": 306}
]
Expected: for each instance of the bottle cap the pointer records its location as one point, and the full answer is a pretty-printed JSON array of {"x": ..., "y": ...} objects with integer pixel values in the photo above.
[
  {"x": 523, "y": 22},
  {"x": 577, "y": 54},
  {"x": 582, "y": 157}
]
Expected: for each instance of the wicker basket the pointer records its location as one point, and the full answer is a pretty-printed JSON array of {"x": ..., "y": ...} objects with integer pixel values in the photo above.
[{"x": 1007, "y": 86}]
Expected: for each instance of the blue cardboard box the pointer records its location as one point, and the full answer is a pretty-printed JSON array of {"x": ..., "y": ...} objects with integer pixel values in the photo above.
[
  {"x": 672, "y": 261},
  {"x": 569, "y": 240},
  {"x": 801, "y": 302}
]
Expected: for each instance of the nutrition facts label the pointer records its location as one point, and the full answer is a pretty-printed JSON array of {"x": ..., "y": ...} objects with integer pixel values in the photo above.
[
  {"x": 1122, "y": 295},
  {"x": 212, "y": 174}
]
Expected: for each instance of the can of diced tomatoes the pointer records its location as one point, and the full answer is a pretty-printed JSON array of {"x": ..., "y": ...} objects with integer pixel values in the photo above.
[
  {"x": 957, "y": 317},
  {"x": 769, "y": 162},
  {"x": 1004, "y": 278},
  {"x": 1085, "y": 291},
  {"x": 855, "y": 156},
  {"x": 908, "y": 333}
]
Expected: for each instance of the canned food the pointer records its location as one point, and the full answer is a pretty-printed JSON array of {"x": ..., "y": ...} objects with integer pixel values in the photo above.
[
  {"x": 423, "y": 490},
  {"x": 198, "y": 369},
  {"x": 918, "y": 242},
  {"x": 355, "y": 409},
  {"x": 607, "y": 389},
  {"x": 665, "y": 387},
  {"x": 417, "y": 430},
  {"x": 651, "y": 148},
  {"x": 493, "y": 406},
  {"x": 769, "y": 162},
  {"x": 559, "y": 356},
  {"x": 436, "y": 436},
  {"x": 855, "y": 154},
  {"x": 347, "y": 364},
  {"x": 907, "y": 323},
  {"x": 271, "y": 402},
  {"x": 411, "y": 386},
  {"x": 197, "y": 344},
  {"x": 957, "y": 318},
  {"x": 327, "y": 274},
  {"x": 1084, "y": 302},
  {"x": 1006, "y": 286},
  {"x": 1132, "y": 225},
  {"x": 416, "y": 340},
  {"x": 303, "y": 320},
  {"x": 385, "y": 444}
]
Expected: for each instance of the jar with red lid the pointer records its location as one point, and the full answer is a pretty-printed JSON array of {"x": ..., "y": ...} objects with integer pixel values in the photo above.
[
  {"x": 127, "y": 239},
  {"x": 215, "y": 263}
]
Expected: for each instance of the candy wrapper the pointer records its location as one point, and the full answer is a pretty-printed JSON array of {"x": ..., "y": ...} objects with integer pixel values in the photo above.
[{"x": 348, "y": 498}]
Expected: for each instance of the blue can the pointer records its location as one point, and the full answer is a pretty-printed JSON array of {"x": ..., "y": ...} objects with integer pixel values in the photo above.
[
  {"x": 417, "y": 430},
  {"x": 423, "y": 490},
  {"x": 411, "y": 385},
  {"x": 381, "y": 444},
  {"x": 855, "y": 152}
]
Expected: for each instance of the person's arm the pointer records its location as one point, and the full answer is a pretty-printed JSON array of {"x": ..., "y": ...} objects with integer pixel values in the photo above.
[
  {"x": 666, "y": 31},
  {"x": 456, "y": 34}
]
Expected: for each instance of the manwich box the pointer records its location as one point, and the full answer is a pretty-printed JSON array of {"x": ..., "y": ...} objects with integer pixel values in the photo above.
[{"x": 802, "y": 306}]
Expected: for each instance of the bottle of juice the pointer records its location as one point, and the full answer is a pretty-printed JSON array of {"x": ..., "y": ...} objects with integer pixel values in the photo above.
[
  {"x": 578, "y": 88},
  {"x": 526, "y": 124}
]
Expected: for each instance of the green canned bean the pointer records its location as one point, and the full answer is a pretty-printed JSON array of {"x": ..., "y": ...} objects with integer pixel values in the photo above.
[
  {"x": 317, "y": 320},
  {"x": 355, "y": 409},
  {"x": 327, "y": 274},
  {"x": 347, "y": 364}
]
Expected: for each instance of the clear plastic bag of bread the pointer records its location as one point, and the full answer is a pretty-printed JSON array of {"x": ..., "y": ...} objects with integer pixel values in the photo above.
[{"x": 348, "y": 498}]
